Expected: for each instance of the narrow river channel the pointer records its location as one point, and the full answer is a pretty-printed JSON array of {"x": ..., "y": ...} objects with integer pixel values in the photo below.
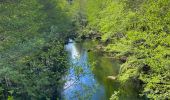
[{"x": 87, "y": 76}]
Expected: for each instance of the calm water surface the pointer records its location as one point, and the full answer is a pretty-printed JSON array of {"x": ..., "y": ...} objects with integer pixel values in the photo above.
[{"x": 87, "y": 76}]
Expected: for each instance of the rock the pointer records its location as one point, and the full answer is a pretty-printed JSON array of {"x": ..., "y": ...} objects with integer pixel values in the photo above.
[
  {"x": 99, "y": 47},
  {"x": 123, "y": 59},
  {"x": 83, "y": 37},
  {"x": 98, "y": 38},
  {"x": 111, "y": 77},
  {"x": 89, "y": 50}
]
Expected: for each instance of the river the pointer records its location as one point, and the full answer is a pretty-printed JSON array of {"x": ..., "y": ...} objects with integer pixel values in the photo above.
[{"x": 87, "y": 76}]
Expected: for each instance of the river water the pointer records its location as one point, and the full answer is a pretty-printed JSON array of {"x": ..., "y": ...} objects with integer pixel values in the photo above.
[{"x": 87, "y": 76}]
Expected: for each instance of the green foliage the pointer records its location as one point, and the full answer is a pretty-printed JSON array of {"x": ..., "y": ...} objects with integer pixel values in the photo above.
[
  {"x": 115, "y": 96},
  {"x": 139, "y": 31},
  {"x": 33, "y": 60}
]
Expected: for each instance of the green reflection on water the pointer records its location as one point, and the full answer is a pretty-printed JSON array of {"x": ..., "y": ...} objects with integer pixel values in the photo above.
[{"x": 102, "y": 67}]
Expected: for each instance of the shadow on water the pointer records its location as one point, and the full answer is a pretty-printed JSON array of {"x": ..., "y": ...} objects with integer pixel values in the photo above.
[{"x": 87, "y": 76}]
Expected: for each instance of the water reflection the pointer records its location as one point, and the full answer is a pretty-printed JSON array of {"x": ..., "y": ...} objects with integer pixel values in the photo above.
[
  {"x": 73, "y": 51},
  {"x": 84, "y": 84},
  {"x": 87, "y": 77}
]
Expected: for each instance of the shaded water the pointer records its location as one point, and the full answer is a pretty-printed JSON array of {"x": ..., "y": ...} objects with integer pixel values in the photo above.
[{"x": 87, "y": 77}]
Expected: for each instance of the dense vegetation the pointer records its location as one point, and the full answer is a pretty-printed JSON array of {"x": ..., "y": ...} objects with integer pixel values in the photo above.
[
  {"x": 137, "y": 31},
  {"x": 33, "y": 33},
  {"x": 32, "y": 56}
]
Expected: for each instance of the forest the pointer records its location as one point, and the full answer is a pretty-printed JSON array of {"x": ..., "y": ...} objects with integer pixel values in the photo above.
[{"x": 35, "y": 65}]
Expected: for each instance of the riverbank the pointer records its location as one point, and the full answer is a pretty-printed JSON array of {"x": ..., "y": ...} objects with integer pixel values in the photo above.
[{"x": 137, "y": 32}]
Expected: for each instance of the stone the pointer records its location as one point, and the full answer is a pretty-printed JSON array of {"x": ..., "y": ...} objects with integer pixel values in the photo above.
[{"x": 111, "y": 77}]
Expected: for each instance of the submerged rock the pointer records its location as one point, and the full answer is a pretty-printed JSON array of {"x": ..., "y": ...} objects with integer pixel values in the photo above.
[{"x": 111, "y": 77}]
